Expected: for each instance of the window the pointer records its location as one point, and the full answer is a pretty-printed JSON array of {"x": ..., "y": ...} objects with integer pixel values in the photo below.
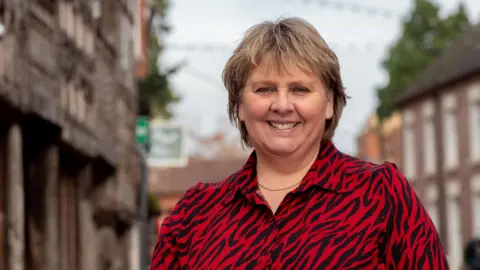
[
  {"x": 125, "y": 40},
  {"x": 474, "y": 120},
  {"x": 450, "y": 140},
  {"x": 66, "y": 17},
  {"x": 70, "y": 19},
  {"x": 432, "y": 210},
  {"x": 62, "y": 18},
  {"x": 474, "y": 115},
  {"x": 409, "y": 157},
  {"x": 132, "y": 6},
  {"x": 429, "y": 152},
  {"x": 76, "y": 99},
  {"x": 450, "y": 132},
  {"x": 79, "y": 31},
  {"x": 110, "y": 20},
  {"x": 137, "y": 30},
  {"x": 83, "y": 92},
  {"x": 409, "y": 160},
  {"x": 75, "y": 27},
  {"x": 126, "y": 51},
  {"x": 475, "y": 184},
  {"x": 476, "y": 214},
  {"x": 454, "y": 225},
  {"x": 429, "y": 146},
  {"x": 96, "y": 8},
  {"x": 64, "y": 99},
  {"x": 431, "y": 200},
  {"x": 81, "y": 105},
  {"x": 72, "y": 99},
  {"x": 89, "y": 41}
]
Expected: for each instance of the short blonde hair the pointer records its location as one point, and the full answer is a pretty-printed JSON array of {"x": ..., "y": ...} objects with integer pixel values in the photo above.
[{"x": 284, "y": 41}]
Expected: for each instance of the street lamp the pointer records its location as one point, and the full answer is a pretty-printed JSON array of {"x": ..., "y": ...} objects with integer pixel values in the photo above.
[{"x": 142, "y": 137}]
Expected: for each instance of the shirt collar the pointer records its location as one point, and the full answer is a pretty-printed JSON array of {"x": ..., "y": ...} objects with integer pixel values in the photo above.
[{"x": 327, "y": 172}]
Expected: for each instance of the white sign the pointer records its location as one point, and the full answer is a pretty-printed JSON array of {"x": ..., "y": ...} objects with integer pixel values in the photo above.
[{"x": 167, "y": 145}]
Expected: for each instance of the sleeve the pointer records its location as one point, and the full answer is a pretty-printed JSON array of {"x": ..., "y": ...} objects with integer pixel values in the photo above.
[
  {"x": 166, "y": 254},
  {"x": 412, "y": 239}
]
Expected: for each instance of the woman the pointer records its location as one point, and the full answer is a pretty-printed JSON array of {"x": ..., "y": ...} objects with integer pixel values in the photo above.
[{"x": 298, "y": 203}]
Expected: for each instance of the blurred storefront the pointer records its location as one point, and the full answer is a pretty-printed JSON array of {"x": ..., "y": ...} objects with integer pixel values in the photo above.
[{"x": 68, "y": 164}]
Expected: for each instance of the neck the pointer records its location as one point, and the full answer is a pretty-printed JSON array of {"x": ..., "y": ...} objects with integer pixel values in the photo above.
[{"x": 279, "y": 171}]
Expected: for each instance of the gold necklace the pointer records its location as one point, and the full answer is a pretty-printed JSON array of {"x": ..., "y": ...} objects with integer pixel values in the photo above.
[{"x": 280, "y": 189}]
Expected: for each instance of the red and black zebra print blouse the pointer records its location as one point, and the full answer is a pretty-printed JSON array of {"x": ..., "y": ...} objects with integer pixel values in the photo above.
[{"x": 346, "y": 214}]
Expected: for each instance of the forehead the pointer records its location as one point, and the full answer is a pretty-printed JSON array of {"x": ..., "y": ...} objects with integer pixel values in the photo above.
[{"x": 288, "y": 72}]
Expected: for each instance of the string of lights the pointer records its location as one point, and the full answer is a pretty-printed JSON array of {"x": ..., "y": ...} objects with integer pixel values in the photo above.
[
  {"x": 358, "y": 8},
  {"x": 226, "y": 48},
  {"x": 201, "y": 76}
]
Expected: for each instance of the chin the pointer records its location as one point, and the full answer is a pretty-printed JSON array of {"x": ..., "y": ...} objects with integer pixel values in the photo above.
[{"x": 281, "y": 150}]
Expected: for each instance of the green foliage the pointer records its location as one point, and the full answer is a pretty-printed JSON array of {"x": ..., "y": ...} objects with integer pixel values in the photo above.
[
  {"x": 155, "y": 90},
  {"x": 425, "y": 35},
  {"x": 153, "y": 206}
]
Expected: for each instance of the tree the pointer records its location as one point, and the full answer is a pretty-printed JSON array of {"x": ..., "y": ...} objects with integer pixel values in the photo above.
[
  {"x": 153, "y": 206},
  {"x": 425, "y": 35},
  {"x": 156, "y": 93}
]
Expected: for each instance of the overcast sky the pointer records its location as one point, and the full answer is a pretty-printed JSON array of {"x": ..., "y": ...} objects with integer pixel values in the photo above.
[{"x": 360, "y": 40}]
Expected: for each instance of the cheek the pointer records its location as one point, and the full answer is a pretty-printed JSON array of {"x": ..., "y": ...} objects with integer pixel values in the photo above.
[
  {"x": 254, "y": 109},
  {"x": 314, "y": 111}
]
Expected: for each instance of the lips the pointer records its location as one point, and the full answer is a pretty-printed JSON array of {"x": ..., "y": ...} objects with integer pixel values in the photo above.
[{"x": 282, "y": 126}]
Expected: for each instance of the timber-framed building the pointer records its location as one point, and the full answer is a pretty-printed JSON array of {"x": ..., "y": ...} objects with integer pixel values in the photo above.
[{"x": 68, "y": 165}]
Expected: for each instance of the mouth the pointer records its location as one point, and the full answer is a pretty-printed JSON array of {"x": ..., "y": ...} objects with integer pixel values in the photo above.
[{"x": 282, "y": 126}]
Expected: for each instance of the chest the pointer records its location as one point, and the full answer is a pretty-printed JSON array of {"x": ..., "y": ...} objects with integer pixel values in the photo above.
[{"x": 314, "y": 231}]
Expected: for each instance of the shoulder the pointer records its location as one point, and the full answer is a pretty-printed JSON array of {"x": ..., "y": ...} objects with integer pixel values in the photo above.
[
  {"x": 395, "y": 183},
  {"x": 397, "y": 187},
  {"x": 201, "y": 198},
  {"x": 357, "y": 167},
  {"x": 394, "y": 191},
  {"x": 385, "y": 174},
  {"x": 205, "y": 190}
]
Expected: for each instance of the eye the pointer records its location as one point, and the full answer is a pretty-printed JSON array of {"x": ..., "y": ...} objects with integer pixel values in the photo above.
[
  {"x": 300, "y": 90},
  {"x": 265, "y": 89}
]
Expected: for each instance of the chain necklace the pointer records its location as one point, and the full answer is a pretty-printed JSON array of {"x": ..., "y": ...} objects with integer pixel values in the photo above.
[{"x": 280, "y": 189}]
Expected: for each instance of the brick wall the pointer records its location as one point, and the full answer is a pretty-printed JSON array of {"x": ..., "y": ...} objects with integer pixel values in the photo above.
[{"x": 377, "y": 143}]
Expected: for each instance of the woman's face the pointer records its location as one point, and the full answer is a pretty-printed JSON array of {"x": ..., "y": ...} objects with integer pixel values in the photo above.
[{"x": 285, "y": 111}]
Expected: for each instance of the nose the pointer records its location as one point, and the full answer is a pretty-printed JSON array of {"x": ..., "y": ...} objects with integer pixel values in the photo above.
[{"x": 282, "y": 103}]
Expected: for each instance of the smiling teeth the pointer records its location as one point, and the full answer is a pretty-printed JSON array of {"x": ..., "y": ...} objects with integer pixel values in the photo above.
[{"x": 282, "y": 126}]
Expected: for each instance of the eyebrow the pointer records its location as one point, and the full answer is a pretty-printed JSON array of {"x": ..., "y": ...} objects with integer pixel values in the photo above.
[
  {"x": 254, "y": 84},
  {"x": 261, "y": 82}
]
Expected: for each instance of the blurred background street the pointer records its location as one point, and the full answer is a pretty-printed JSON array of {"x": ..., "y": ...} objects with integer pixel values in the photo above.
[{"x": 111, "y": 109}]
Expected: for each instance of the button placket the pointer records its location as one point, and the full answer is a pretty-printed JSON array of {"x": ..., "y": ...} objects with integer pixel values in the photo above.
[
  {"x": 272, "y": 242},
  {"x": 271, "y": 238}
]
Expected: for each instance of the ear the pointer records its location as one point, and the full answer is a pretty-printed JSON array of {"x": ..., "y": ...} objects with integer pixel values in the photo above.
[
  {"x": 241, "y": 113},
  {"x": 330, "y": 105}
]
